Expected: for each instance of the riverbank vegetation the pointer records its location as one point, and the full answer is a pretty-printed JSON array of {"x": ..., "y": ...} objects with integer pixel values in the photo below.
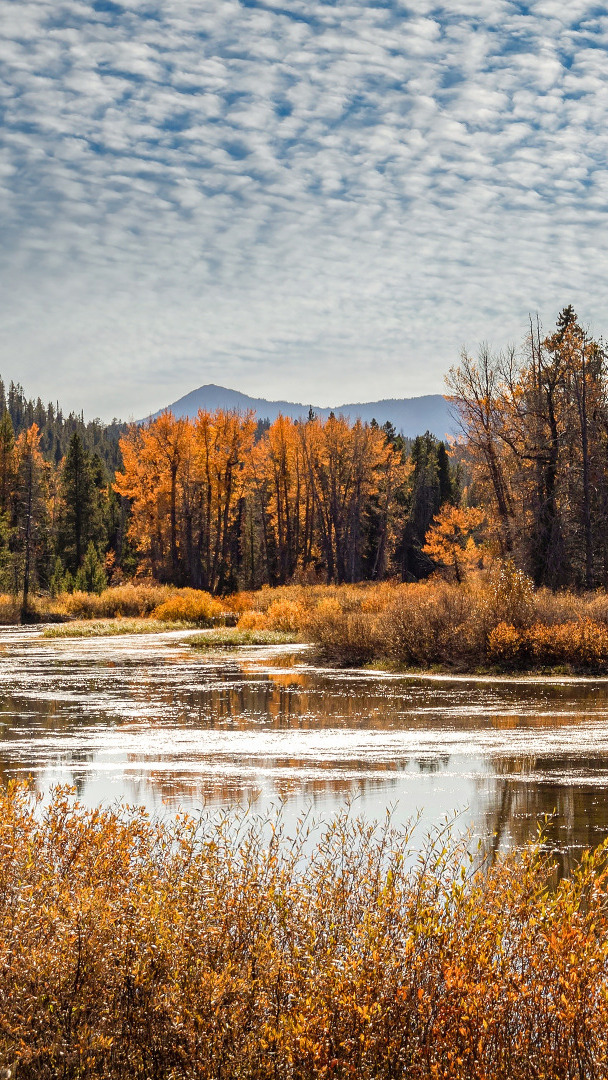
[
  {"x": 493, "y": 620},
  {"x": 231, "y": 637},
  {"x": 92, "y": 628},
  {"x": 372, "y": 546},
  {"x": 225, "y": 948}
]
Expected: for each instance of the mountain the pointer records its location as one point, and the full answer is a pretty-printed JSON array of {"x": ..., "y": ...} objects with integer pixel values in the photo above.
[{"x": 410, "y": 416}]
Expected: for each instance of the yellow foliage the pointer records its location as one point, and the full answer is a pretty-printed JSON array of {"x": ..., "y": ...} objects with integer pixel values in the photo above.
[
  {"x": 253, "y": 620},
  {"x": 507, "y": 645},
  {"x": 9, "y": 610},
  {"x": 221, "y": 948},
  {"x": 189, "y": 605},
  {"x": 128, "y": 600},
  {"x": 449, "y": 541},
  {"x": 582, "y": 644},
  {"x": 285, "y": 615}
]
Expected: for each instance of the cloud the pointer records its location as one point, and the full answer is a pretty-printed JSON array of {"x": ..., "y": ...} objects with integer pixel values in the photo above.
[{"x": 308, "y": 199}]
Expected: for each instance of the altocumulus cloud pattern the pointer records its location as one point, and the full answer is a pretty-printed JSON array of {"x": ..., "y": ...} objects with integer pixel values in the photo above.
[{"x": 294, "y": 197}]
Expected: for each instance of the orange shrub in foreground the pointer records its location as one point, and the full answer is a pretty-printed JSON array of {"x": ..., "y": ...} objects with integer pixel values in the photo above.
[{"x": 218, "y": 949}]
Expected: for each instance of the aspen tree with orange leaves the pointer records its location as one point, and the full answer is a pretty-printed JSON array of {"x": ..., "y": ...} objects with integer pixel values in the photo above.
[
  {"x": 282, "y": 488},
  {"x": 223, "y": 442},
  {"x": 345, "y": 464},
  {"x": 211, "y": 507},
  {"x": 450, "y": 540}
]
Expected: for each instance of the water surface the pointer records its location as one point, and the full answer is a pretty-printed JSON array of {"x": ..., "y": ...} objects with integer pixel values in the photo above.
[{"x": 150, "y": 720}]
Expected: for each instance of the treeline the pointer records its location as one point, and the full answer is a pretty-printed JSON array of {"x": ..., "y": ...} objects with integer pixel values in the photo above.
[
  {"x": 62, "y": 526},
  {"x": 56, "y": 429},
  {"x": 225, "y": 502},
  {"x": 535, "y": 428},
  {"x": 219, "y": 504}
]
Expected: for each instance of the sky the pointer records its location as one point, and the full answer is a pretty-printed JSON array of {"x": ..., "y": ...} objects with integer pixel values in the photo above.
[{"x": 315, "y": 201}]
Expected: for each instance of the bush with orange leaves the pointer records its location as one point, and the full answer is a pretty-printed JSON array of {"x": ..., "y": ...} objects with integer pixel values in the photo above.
[
  {"x": 221, "y": 949},
  {"x": 120, "y": 600},
  {"x": 189, "y": 605},
  {"x": 583, "y": 645},
  {"x": 282, "y": 614}
]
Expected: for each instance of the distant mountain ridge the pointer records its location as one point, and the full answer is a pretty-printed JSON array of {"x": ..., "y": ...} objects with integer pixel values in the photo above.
[{"x": 410, "y": 416}]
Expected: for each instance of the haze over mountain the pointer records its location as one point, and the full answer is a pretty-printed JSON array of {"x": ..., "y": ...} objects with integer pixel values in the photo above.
[{"x": 410, "y": 416}]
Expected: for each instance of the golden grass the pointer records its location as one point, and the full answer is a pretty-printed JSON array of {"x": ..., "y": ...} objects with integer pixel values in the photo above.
[
  {"x": 232, "y": 637},
  {"x": 222, "y": 949},
  {"x": 91, "y": 628}
]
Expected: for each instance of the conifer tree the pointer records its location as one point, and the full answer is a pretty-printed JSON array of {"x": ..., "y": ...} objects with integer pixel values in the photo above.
[
  {"x": 91, "y": 576},
  {"x": 30, "y": 515},
  {"x": 81, "y": 512}
]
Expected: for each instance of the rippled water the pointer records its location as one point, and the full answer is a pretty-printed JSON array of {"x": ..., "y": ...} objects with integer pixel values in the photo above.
[{"x": 151, "y": 720}]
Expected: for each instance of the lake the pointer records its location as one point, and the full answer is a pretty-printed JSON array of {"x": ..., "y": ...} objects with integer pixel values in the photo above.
[{"x": 150, "y": 720}]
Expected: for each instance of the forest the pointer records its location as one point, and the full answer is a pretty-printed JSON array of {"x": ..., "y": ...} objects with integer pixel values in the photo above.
[{"x": 225, "y": 503}]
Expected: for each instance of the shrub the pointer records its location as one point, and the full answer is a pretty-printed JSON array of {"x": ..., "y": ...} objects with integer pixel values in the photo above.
[
  {"x": 9, "y": 609},
  {"x": 434, "y": 623},
  {"x": 286, "y": 615},
  {"x": 552, "y": 609},
  {"x": 508, "y": 596},
  {"x": 129, "y": 600},
  {"x": 189, "y": 605},
  {"x": 584, "y": 645},
  {"x": 217, "y": 949},
  {"x": 346, "y": 637},
  {"x": 507, "y": 645},
  {"x": 253, "y": 620}
]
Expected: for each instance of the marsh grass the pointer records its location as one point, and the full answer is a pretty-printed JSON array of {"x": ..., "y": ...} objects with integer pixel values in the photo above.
[
  {"x": 228, "y": 948},
  {"x": 92, "y": 628},
  {"x": 231, "y": 637}
]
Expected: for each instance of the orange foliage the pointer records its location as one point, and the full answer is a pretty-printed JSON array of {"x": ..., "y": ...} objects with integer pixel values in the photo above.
[
  {"x": 185, "y": 481},
  {"x": 450, "y": 541},
  {"x": 204, "y": 495},
  {"x": 220, "y": 949},
  {"x": 189, "y": 605},
  {"x": 583, "y": 644}
]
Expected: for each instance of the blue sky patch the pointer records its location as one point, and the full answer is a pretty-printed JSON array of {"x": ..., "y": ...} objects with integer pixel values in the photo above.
[{"x": 300, "y": 198}]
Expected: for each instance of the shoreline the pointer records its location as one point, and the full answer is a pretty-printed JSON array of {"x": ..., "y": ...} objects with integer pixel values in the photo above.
[{"x": 231, "y": 638}]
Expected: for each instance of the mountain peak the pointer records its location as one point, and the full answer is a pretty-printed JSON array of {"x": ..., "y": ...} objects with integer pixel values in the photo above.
[{"x": 410, "y": 416}]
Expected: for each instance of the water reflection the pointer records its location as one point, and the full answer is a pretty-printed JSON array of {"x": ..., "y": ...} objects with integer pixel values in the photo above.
[{"x": 153, "y": 721}]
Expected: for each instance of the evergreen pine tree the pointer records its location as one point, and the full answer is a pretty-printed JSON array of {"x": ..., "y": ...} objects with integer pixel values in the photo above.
[
  {"x": 81, "y": 518},
  {"x": 91, "y": 576},
  {"x": 7, "y": 461}
]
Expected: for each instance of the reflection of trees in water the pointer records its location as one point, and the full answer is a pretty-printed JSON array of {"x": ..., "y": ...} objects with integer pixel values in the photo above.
[
  {"x": 433, "y": 764},
  {"x": 280, "y": 778},
  {"x": 21, "y": 719},
  {"x": 177, "y": 786},
  {"x": 279, "y": 702},
  {"x": 578, "y": 812},
  {"x": 241, "y": 692}
]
